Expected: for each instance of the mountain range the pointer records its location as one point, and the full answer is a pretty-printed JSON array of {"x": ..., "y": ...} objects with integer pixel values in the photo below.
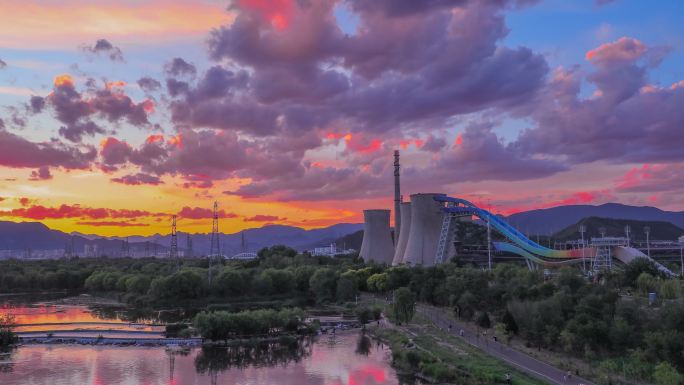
[
  {"x": 36, "y": 236},
  {"x": 551, "y": 220},
  {"x": 658, "y": 230}
]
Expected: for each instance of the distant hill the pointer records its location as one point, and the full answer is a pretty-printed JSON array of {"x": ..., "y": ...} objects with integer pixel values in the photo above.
[
  {"x": 37, "y": 236},
  {"x": 616, "y": 227},
  {"x": 548, "y": 221},
  {"x": 351, "y": 241}
]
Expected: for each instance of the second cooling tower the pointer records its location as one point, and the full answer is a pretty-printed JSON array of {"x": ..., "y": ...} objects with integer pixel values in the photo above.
[
  {"x": 426, "y": 225},
  {"x": 403, "y": 234},
  {"x": 377, "y": 242}
]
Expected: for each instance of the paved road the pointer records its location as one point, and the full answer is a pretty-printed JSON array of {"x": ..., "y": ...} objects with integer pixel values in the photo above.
[{"x": 515, "y": 358}]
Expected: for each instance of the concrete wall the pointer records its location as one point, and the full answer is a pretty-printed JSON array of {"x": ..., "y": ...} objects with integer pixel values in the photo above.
[
  {"x": 426, "y": 224},
  {"x": 377, "y": 242},
  {"x": 404, "y": 234}
]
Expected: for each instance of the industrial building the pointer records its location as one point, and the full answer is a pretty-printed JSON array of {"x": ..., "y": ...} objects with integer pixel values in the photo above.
[
  {"x": 377, "y": 242},
  {"x": 425, "y": 235}
]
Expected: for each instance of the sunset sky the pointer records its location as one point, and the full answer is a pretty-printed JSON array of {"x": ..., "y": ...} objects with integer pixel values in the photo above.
[{"x": 115, "y": 115}]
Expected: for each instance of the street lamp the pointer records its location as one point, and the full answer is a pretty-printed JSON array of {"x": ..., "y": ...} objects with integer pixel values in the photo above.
[
  {"x": 628, "y": 229},
  {"x": 582, "y": 230},
  {"x": 647, "y": 230},
  {"x": 681, "y": 253}
]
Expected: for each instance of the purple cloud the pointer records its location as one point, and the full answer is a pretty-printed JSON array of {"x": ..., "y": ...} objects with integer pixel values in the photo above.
[
  {"x": 43, "y": 173},
  {"x": 138, "y": 179},
  {"x": 104, "y": 47},
  {"x": 179, "y": 67},
  {"x": 18, "y": 152}
]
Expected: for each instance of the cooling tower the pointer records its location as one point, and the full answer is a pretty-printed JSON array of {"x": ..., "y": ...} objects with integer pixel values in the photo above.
[
  {"x": 377, "y": 242},
  {"x": 426, "y": 224},
  {"x": 404, "y": 234}
]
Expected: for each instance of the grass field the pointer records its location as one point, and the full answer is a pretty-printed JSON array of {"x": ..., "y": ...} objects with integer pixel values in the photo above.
[{"x": 435, "y": 356}]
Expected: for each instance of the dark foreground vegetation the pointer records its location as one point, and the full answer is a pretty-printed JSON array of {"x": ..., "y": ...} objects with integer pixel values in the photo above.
[
  {"x": 608, "y": 323},
  {"x": 7, "y": 337},
  {"x": 223, "y": 326},
  {"x": 279, "y": 276}
]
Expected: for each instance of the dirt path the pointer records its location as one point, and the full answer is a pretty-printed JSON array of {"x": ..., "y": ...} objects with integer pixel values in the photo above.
[{"x": 515, "y": 358}]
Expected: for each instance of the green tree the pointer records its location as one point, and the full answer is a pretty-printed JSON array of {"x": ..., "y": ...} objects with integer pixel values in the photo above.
[
  {"x": 231, "y": 283},
  {"x": 323, "y": 284},
  {"x": 282, "y": 280},
  {"x": 670, "y": 289},
  {"x": 138, "y": 284},
  {"x": 509, "y": 322},
  {"x": 483, "y": 320},
  {"x": 636, "y": 268},
  {"x": 377, "y": 282},
  {"x": 404, "y": 305},
  {"x": 7, "y": 336},
  {"x": 646, "y": 283},
  {"x": 347, "y": 288},
  {"x": 665, "y": 374}
]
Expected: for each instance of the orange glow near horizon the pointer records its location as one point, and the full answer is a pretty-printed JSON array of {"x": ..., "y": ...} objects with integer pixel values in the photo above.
[{"x": 109, "y": 204}]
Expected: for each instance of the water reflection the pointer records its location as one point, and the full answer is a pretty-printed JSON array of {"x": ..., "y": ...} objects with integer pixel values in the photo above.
[
  {"x": 363, "y": 345},
  {"x": 6, "y": 363},
  {"x": 257, "y": 354},
  {"x": 303, "y": 362}
]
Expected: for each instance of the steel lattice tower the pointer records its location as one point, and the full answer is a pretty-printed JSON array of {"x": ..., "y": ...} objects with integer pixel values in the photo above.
[
  {"x": 188, "y": 246},
  {"x": 214, "y": 249},
  {"x": 173, "y": 253}
]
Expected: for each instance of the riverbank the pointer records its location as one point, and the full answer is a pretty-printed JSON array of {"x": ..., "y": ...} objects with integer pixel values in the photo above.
[
  {"x": 78, "y": 340},
  {"x": 434, "y": 356}
]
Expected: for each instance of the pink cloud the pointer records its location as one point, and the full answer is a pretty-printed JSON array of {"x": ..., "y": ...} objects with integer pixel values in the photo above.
[
  {"x": 264, "y": 218},
  {"x": 111, "y": 224},
  {"x": 625, "y": 49},
  {"x": 202, "y": 213}
]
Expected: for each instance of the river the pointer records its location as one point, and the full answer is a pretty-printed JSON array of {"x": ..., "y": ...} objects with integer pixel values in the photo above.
[{"x": 348, "y": 358}]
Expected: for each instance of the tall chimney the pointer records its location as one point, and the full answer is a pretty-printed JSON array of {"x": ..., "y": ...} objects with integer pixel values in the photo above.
[{"x": 397, "y": 198}]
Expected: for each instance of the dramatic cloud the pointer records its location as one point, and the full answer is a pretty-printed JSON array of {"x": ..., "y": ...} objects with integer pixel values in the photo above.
[
  {"x": 36, "y": 104},
  {"x": 42, "y": 173},
  {"x": 111, "y": 224},
  {"x": 75, "y": 109},
  {"x": 104, "y": 47},
  {"x": 75, "y": 132},
  {"x": 627, "y": 119},
  {"x": 201, "y": 157},
  {"x": 138, "y": 179},
  {"x": 179, "y": 67},
  {"x": 40, "y": 212},
  {"x": 479, "y": 154},
  {"x": 264, "y": 218},
  {"x": 149, "y": 84},
  {"x": 652, "y": 178},
  {"x": 18, "y": 152},
  {"x": 398, "y": 73},
  {"x": 203, "y": 213}
]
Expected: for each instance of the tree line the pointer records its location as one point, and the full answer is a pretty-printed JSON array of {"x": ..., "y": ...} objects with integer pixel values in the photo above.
[{"x": 609, "y": 321}]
